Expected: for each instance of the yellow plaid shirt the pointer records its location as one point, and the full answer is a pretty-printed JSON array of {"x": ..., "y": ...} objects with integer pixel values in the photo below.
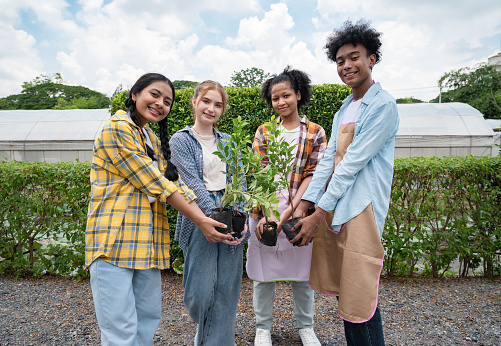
[{"x": 123, "y": 227}]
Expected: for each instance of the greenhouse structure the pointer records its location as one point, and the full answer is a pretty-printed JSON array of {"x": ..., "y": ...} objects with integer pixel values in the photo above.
[
  {"x": 426, "y": 129},
  {"x": 50, "y": 135},
  {"x": 444, "y": 129}
]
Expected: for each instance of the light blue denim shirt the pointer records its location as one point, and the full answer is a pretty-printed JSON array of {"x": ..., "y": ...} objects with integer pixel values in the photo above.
[{"x": 364, "y": 175}]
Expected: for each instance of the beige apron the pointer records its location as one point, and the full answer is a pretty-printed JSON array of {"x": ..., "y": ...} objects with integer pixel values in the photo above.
[{"x": 348, "y": 264}]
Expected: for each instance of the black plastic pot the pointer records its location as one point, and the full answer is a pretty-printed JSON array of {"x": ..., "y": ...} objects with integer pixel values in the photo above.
[
  {"x": 223, "y": 217},
  {"x": 269, "y": 236},
  {"x": 288, "y": 225},
  {"x": 237, "y": 223}
]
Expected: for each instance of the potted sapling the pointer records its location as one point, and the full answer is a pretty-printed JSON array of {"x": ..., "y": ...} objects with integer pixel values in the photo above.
[
  {"x": 280, "y": 154},
  {"x": 241, "y": 164},
  {"x": 263, "y": 182}
]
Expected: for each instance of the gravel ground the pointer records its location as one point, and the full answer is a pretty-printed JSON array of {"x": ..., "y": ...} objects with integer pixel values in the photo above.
[{"x": 415, "y": 311}]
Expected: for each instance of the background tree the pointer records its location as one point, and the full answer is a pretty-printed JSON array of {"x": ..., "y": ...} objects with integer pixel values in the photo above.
[
  {"x": 480, "y": 87},
  {"x": 409, "y": 100},
  {"x": 183, "y": 84},
  {"x": 250, "y": 77},
  {"x": 45, "y": 92}
]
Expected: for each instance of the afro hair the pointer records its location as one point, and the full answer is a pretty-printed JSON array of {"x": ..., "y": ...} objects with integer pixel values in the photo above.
[{"x": 361, "y": 32}]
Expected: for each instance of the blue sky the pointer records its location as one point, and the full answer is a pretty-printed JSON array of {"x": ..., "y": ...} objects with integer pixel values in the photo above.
[{"x": 104, "y": 43}]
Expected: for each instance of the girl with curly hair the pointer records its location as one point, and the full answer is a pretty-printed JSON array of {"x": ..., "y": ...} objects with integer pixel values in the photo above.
[{"x": 286, "y": 93}]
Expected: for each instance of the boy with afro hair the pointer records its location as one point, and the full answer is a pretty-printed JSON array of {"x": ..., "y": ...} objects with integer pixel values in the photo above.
[{"x": 351, "y": 188}]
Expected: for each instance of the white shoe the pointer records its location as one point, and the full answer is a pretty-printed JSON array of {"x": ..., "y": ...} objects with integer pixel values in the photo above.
[
  {"x": 308, "y": 337},
  {"x": 263, "y": 337}
]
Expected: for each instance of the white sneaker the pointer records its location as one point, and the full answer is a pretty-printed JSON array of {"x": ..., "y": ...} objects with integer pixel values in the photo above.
[
  {"x": 308, "y": 337},
  {"x": 263, "y": 337}
]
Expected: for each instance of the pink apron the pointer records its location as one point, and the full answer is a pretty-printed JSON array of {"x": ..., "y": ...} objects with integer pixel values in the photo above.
[
  {"x": 348, "y": 264},
  {"x": 283, "y": 261}
]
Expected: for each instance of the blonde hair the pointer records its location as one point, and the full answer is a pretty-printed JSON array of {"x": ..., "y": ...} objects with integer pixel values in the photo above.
[{"x": 202, "y": 88}]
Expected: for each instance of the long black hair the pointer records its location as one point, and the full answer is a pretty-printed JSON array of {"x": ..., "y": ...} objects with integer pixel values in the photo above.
[
  {"x": 298, "y": 80},
  {"x": 143, "y": 81}
]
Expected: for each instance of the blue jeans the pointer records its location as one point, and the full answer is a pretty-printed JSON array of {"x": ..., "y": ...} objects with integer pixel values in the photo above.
[
  {"x": 369, "y": 333},
  {"x": 304, "y": 304},
  {"x": 212, "y": 277},
  {"x": 128, "y": 303}
]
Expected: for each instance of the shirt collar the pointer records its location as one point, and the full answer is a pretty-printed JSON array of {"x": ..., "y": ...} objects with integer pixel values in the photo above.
[
  {"x": 122, "y": 115},
  {"x": 303, "y": 120},
  {"x": 190, "y": 131},
  {"x": 369, "y": 95}
]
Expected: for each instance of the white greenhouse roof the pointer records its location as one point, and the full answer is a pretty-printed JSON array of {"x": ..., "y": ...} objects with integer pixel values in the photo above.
[
  {"x": 52, "y": 125},
  {"x": 441, "y": 119},
  {"x": 426, "y": 129},
  {"x": 50, "y": 135},
  {"x": 443, "y": 129},
  {"x": 495, "y": 124}
]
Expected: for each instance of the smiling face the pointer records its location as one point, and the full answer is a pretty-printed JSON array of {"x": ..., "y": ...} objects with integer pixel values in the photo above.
[
  {"x": 208, "y": 109},
  {"x": 354, "y": 67},
  {"x": 284, "y": 100},
  {"x": 153, "y": 103}
]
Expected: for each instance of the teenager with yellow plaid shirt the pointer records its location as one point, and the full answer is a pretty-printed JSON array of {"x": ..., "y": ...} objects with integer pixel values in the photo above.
[
  {"x": 285, "y": 93},
  {"x": 127, "y": 236}
]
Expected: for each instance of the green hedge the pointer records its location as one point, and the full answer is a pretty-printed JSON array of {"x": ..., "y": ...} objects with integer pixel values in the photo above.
[
  {"x": 245, "y": 102},
  {"x": 43, "y": 211},
  {"x": 441, "y": 210}
]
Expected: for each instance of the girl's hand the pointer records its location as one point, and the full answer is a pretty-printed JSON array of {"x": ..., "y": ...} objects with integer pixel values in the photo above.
[
  {"x": 286, "y": 214},
  {"x": 299, "y": 213},
  {"x": 302, "y": 209},
  {"x": 259, "y": 228},
  {"x": 207, "y": 226},
  {"x": 237, "y": 241}
]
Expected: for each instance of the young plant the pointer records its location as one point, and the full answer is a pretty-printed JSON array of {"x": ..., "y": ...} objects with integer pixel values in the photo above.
[
  {"x": 244, "y": 170},
  {"x": 280, "y": 156}
]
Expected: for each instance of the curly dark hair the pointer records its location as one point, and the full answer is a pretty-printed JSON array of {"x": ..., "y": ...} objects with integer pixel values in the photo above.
[
  {"x": 298, "y": 80},
  {"x": 361, "y": 32}
]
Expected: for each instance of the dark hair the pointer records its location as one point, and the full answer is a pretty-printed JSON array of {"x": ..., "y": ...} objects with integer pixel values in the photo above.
[
  {"x": 298, "y": 80},
  {"x": 143, "y": 81},
  {"x": 361, "y": 32}
]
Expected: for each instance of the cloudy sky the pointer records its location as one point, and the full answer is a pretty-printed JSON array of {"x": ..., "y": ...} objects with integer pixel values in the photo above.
[{"x": 104, "y": 43}]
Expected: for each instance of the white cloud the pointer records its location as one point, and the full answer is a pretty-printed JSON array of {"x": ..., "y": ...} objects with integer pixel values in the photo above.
[
  {"x": 19, "y": 62},
  {"x": 271, "y": 33},
  {"x": 103, "y": 45},
  {"x": 421, "y": 40}
]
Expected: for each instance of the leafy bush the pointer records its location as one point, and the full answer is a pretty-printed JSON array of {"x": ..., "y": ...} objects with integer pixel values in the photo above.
[
  {"x": 441, "y": 209},
  {"x": 43, "y": 216}
]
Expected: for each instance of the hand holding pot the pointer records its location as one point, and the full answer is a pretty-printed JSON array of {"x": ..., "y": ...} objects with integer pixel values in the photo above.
[
  {"x": 237, "y": 241},
  {"x": 207, "y": 226},
  {"x": 309, "y": 227},
  {"x": 259, "y": 228},
  {"x": 286, "y": 215},
  {"x": 302, "y": 209}
]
